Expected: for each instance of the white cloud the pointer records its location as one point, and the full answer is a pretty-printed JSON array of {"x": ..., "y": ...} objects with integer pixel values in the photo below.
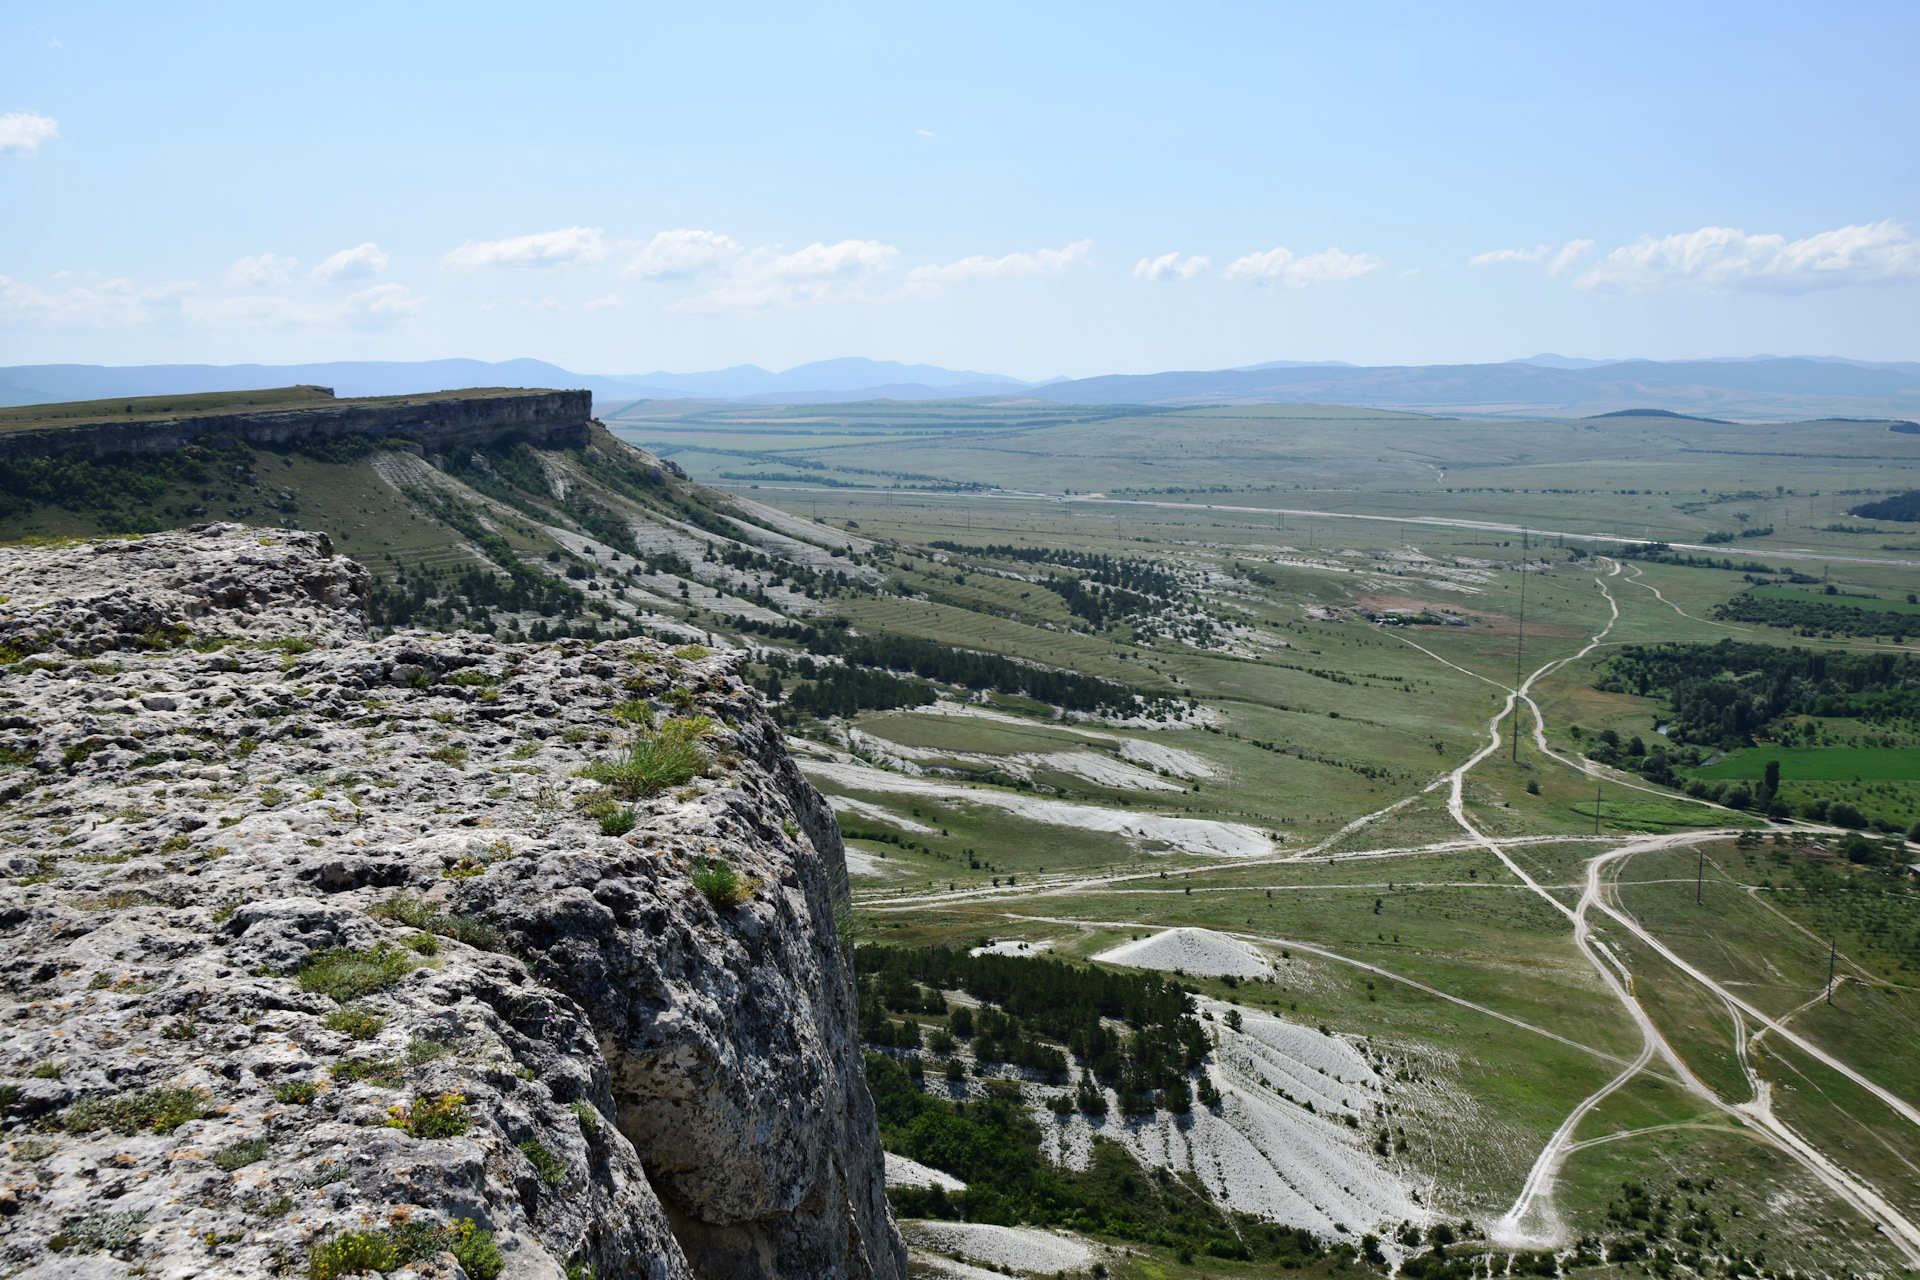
[
  {"x": 680, "y": 255},
  {"x": 22, "y": 132},
  {"x": 261, "y": 270},
  {"x": 602, "y": 304},
  {"x": 1170, "y": 266},
  {"x": 543, "y": 249},
  {"x": 1719, "y": 259},
  {"x": 926, "y": 281},
  {"x": 1495, "y": 256},
  {"x": 380, "y": 307},
  {"x": 356, "y": 263},
  {"x": 1571, "y": 252},
  {"x": 1329, "y": 266},
  {"x": 816, "y": 274},
  {"x": 926, "y": 133},
  {"x": 100, "y": 305}
]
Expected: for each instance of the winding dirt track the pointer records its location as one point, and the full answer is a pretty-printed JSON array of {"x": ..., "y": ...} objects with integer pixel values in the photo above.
[{"x": 1532, "y": 1222}]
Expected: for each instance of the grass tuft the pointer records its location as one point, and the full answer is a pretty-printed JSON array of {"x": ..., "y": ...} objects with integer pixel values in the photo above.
[
  {"x": 346, "y": 974},
  {"x": 657, "y": 760}
]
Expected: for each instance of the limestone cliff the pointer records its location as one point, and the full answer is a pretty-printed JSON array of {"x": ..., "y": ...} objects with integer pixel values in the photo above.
[{"x": 323, "y": 954}]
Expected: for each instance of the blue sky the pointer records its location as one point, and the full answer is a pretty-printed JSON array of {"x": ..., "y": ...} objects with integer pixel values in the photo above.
[{"x": 1032, "y": 190}]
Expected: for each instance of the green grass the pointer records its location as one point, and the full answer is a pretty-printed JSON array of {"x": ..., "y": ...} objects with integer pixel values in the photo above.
[
  {"x": 1845, "y": 600},
  {"x": 1820, "y": 764},
  {"x": 657, "y": 760},
  {"x": 346, "y": 974},
  {"x": 162, "y": 1110},
  {"x": 1637, "y": 814}
]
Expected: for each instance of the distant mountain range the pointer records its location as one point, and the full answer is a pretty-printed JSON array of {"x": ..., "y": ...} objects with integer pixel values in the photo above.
[{"x": 1546, "y": 385}]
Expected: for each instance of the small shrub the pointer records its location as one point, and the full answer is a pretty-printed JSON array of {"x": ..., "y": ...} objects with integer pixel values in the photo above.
[
  {"x": 324, "y": 1174},
  {"x": 239, "y": 1155},
  {"x": 589, "y": 1118},
  {"x": 407, "y": 909},
  {"x": 615, "y": 819},
  {"x": 634, "y": 711},
  {"x": 48, "y": 1069},
  {"x": 355, "y": 1021},
  {"x": 465, "y": 868},
  {"x": 667, "y": 757},
  {"x": 421, "y": 1051},
  {"x": 350, "y": 1252},
  {"x": 346, "y": 974},
  {"x": 163, "y": 1110},
  {"x": 691, "y": 652},
  {"x": 99, "y": 1232},
  {"x": 298, "y": 1093},
  {"x": 422, "y": 944},
  {"x": 550, "y": 1166},
  {"x": 384, "y": 1072},
  {"x": 442, "y": 1117},
  {"x": 100, "y": 982},
  {"x": 454, "y": 756},
  {"x": 471, "y": 930},
  {"x": 476, "y": 1251},
  {"x": 723, "y": 886},
  {"x": 262, "y": 1206}
]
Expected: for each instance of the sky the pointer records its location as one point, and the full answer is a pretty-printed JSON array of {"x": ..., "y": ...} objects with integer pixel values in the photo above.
[{"x": 1030, "y": 190}]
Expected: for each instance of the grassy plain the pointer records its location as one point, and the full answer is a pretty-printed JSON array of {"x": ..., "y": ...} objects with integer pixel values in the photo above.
[{"x": 1294, "y": 525}]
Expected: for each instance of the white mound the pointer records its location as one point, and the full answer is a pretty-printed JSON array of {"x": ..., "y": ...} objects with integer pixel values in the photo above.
[
  {"x": 871, "y": 866},
  {"x": 902, "y": 1172},
  {"x": 1196, "y": 951},
  {"x": 1202, "y": 837},
  {"x": 1022, "y": 1248},
  {"x": 1012, "y": 947},
  {"x": 846, "y": 804}
]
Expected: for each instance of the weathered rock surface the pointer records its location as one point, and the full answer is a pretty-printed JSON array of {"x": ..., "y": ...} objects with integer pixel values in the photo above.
[{"x": 567, "y": 1043}]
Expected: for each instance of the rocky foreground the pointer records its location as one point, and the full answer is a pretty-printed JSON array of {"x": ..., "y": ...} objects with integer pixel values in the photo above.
[{"x": 426, "y": 955}]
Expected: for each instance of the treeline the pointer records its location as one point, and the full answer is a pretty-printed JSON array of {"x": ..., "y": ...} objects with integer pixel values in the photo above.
[
  {"x": 1063, "y": 1003},
  {"x": 832, "y": 690},
  {"x": 434, "y": 598},
  {"x": 1128, "y": 574},
  {"x": 1661, "y": 553},
  {"x": 1904, "y": 506},
  {"x": 932, "y": 661},
  {"x": 1817, "y": 617},
  {"x": 1722, "y": 693}
]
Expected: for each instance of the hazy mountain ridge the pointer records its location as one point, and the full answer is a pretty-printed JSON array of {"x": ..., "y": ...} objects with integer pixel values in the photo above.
[{"x": 1549, "y": 385}]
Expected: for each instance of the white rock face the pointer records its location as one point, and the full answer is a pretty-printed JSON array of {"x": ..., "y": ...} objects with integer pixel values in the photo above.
[
  {"x": 633, "y": 1078},
  {"x": 1196, "y": 951}
]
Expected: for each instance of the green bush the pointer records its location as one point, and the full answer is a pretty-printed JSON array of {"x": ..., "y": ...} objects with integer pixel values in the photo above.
[
  {"x": 350, "y": 1252},
  {"x": 99, "y": 1232},
  {"x": 666, "y": 757},
  {"x": 476, "y": 1251},
  {"x": 375, "y": 1071},
  {"x": 421, "y": 1051},
  {"x": 163, "y": 1110},
  {"x": 355, "y": 1021},
  {"x": 589, "y": 1118},
  {"x": 550, "y": 1166},
  {"x": 298, "y": 1093},
  {"x": 723, "y": 886},
  {"x": 239, "y": 1155},
  {"x": 346, "y": 974},
  {"x": 615, "y": 819},
  {"x": 442, "y": 1117}
]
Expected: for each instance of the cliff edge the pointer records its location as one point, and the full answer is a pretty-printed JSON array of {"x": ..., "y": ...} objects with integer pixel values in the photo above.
[{"x": 427, "y": 955}]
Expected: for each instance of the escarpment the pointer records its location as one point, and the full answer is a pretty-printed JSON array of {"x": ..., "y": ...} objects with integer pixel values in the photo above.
[{"x": 427, "y": 955}]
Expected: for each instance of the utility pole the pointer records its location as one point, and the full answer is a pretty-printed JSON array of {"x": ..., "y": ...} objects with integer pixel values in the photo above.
[
  {"x": 1830, "y": 951},
  {"x": 1700, "y": 880},
  {"x": 1519, "y": 648}
]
